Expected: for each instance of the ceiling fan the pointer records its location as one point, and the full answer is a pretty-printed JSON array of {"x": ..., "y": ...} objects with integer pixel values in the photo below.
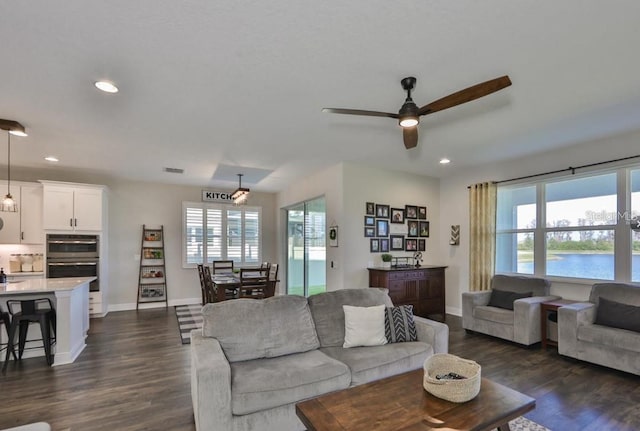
[{"x": 409, "y": 114}]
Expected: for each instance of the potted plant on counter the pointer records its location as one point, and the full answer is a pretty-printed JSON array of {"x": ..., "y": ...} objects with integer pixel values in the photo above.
[{"x": 386, "y": 260}]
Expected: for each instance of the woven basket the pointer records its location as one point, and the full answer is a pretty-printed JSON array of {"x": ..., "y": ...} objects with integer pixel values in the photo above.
[{"x": 457, "y": 391}]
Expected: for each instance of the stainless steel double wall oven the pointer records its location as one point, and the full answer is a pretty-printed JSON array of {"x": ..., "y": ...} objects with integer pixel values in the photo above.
[{"x": 74, "y": 256}]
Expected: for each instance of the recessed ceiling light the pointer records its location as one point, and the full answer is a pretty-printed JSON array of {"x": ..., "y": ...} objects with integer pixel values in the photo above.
[
  {"x": 51, "y": 159},
  {"x": 106, "y": 86},
  {"x": 444, "y": 161}
]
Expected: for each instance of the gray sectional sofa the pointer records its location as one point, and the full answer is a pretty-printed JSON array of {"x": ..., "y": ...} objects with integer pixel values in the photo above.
[
  {"x": 255, "y": 359},
  {"x": 582, "y": 336}
]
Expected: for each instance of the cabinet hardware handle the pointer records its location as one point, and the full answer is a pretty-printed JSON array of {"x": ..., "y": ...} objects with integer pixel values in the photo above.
[
  {"x": 71, "y": 222},
  {"x": 22, "y": 236},
  {"x": 76, "y": 221}
]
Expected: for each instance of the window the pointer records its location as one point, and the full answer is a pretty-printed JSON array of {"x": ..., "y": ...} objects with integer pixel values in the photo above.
[
  {"x": 218, "y": 231},
  {"x": 574, "y": 228}
]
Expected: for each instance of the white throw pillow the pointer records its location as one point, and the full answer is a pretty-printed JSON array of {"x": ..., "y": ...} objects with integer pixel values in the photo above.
[{"x": 363, "y": 326}]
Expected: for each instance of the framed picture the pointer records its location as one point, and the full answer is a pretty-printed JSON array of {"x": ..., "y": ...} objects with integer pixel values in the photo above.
[
  {"x": 411, "y": 211},
  {"x": 382, "y": 211},
  {"x": 412, "y": 227},
  {"x": 369, "y": 221},
  {"x": 333, "y": 236},
  {"x": 422, "y": 213},
  {"x": 370, "y": 208},
  {"x": 424, "y": 229},
  {"x": 397, "y": 242},
  {"x": 411, "y": 244},
  {"x": 382, "y": 227},
  {"x": 422, "y": 244},
  {"x": 397, "y": 215},
  {"x": 369, "y": 232},
  {"x": 374, "y": 245},
  {"x": 384, "y": 245}
]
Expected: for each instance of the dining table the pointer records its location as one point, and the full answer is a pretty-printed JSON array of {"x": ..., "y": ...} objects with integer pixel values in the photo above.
[{"x": 227, "y": 282}]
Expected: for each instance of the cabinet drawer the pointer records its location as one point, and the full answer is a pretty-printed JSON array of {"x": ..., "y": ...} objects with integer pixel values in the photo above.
[
  {"x": 397, "y": 276},
  {"x": 95, "y": 298},
  {"x": 95, "y": 308}
]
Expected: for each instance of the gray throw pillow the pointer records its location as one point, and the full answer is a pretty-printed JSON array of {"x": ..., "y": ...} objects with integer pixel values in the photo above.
[
  {"x": 618, "y": 315},
  {"x": 399, "y": 325},
  {"x": 504, "y": 298}
]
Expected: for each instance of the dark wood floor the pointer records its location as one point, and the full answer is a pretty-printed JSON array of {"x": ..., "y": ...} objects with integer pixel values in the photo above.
[{"x": 134, "y": 375}]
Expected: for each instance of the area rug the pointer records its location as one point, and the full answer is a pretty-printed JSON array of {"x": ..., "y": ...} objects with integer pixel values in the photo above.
[
  {"x": 524, "y": 424},
  {"x": 189, "y": 317}
]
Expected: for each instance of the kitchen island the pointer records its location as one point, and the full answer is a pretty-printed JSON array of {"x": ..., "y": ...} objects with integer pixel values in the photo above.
[{"x": 70, "y": 297}]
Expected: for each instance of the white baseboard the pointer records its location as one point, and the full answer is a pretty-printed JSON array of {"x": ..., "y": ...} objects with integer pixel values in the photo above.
[
  {"x": 454, "y": 311},
  {"x": 172, "y": 303}
]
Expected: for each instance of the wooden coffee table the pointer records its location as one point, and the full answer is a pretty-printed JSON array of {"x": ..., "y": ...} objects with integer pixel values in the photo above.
[{"x": 401, "y": 403}]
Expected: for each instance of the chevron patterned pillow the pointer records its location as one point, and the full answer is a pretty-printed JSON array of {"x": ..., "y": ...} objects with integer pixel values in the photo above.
[{"x": 399, "y": 325}]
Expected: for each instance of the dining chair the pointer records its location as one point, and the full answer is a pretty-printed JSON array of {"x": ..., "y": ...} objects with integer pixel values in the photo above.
[
  {"x": 253, "y": 283},
  {"x": 272, "y": 280},
  {"x": 202, "y": 286},
  {"x": 210, "y": 292},
  {"x": 222, "y": 266}
]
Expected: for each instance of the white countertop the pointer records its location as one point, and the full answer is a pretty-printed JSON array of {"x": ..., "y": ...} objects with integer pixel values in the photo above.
[{"x": 44, "y": 285}]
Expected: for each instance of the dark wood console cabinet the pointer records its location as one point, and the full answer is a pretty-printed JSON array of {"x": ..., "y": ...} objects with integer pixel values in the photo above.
[{"x": 422, "y": 287}]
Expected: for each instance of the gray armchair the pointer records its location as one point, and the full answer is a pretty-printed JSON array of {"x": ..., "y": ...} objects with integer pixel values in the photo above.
[
  {"x": 588, "y": 330},
  {"x": 520, "y": 324}
]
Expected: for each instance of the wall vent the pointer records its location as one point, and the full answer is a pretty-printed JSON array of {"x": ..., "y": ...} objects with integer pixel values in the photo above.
[{"x": 174, "y": 170}]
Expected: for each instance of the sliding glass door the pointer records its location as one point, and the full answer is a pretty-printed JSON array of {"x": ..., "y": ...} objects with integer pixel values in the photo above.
[{"x": 306, "y": 248}]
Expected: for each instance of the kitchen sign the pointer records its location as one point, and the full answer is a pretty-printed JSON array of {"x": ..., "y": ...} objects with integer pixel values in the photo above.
[{"x": 216, "y": 196}]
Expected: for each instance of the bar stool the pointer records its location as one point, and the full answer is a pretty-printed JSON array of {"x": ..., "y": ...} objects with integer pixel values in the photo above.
[
  {"x": 5, "y": 321},
  {"x": 31, "y": 311}
]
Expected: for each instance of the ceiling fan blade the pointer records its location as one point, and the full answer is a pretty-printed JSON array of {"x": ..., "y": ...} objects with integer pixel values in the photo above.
[
  {"x": 467, "y": 95},
  {"x": 359, "y": 112},
  {"x": 410, "y": 135}
]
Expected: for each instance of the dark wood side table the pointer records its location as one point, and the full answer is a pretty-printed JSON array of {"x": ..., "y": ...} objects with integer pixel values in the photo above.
[{"x": 545, "y": 308}]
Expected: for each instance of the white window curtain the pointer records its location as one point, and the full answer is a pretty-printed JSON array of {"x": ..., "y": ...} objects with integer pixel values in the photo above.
[{"x": 482, "y": 238}]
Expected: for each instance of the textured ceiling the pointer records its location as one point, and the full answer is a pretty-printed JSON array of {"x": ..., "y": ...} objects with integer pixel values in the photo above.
[{"x": 242, "y": 83}]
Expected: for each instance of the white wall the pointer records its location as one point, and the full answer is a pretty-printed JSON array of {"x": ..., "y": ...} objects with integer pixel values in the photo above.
[{"x": 454, "y": 207}]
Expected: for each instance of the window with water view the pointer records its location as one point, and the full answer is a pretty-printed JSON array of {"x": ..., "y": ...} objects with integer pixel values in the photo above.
[{"x": 574, "y": 228}]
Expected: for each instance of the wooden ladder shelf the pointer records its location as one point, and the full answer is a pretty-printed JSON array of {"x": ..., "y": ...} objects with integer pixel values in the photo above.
[{"x": 152, "y": 279}]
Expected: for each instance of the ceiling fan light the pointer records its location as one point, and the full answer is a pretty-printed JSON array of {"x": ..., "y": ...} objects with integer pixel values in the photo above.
[
  {"x": 409, "y": 121},
  {"x": 18, "y": 133}
]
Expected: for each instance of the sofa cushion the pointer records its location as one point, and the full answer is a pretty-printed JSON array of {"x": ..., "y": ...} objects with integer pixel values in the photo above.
[
  {"x": 519, "y": 283},
  {"x": 261, "y": 328},
  {"x": 328, "y": 314},
  {"x": 613, "y": 337},
  {"x": 504, "y": 298},
  {"x": 372, "y": 363},
  {"x": 399, "y": 325},
  {"x": 363, "y": 326},
  {"x": 494, "y": 314},
  {"x": 261, "y": 384},
  {"x": 618, "y": 315},
  {"x": 625, "y": 293}
]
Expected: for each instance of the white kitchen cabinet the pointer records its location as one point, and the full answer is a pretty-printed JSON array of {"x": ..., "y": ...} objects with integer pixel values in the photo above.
[
  {"x": 10, "y": 221},
  {"x": 73, "y": 208},
  {"x": 25, "y": 225},
  {"x": 31, "y": 215}
]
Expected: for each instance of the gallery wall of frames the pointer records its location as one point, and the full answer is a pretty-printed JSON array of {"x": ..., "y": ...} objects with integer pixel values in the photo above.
[{"x": 395, "y": 229}]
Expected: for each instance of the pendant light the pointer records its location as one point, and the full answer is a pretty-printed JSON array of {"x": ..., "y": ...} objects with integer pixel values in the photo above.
[
  {"x": 241, "y": 194},
  {"x": 8, "y": 203}
]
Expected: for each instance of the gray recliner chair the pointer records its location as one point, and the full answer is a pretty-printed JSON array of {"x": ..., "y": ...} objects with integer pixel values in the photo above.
[
  {"x": 520, "y": 324},
  {"x": 595, "y": 331}
]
